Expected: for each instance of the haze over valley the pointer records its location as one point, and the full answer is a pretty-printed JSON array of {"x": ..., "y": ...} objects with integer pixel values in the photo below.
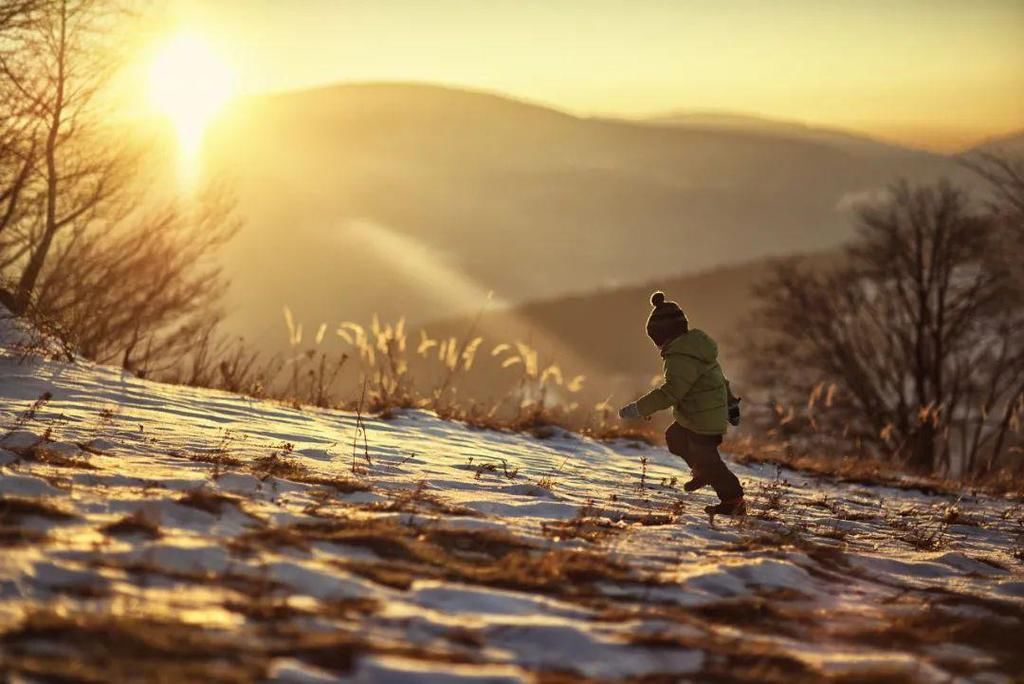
[{"x": 416, "y": 200}]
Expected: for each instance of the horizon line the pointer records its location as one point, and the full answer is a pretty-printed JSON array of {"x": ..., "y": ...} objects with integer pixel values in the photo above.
[{"x": 875, "y": 133}]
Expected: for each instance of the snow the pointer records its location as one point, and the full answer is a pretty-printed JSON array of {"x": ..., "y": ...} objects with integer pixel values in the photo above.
[{"x": 446, "y": 553}]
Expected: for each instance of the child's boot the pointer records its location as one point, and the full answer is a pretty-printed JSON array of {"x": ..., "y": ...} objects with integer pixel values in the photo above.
[
  {"x": 694, "y": 483},
  {"x": 728, "y": 507}
]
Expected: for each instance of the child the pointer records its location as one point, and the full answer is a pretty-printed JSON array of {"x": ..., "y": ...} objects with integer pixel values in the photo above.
[{"x": 699, "y": 396}]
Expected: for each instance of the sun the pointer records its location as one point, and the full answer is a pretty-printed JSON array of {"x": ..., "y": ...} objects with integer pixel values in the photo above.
[{"x": 189, "y": 83}]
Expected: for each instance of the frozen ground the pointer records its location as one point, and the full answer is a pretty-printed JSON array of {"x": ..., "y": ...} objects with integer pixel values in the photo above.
[{"x": 163, "y": 533}]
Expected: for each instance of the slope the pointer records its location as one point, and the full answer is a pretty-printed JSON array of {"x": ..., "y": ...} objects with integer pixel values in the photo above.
[{"x": 161, "y": 532}]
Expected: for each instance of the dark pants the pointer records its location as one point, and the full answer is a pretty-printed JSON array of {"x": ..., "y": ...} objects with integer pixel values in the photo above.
[{"x": 701, "y": 453}]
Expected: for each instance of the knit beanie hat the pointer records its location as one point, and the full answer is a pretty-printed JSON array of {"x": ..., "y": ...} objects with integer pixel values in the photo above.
[{"x": 667, "y": 321}]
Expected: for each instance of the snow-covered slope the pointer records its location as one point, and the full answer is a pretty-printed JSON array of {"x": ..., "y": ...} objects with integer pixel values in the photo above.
[{"x": 158, "y": 532}]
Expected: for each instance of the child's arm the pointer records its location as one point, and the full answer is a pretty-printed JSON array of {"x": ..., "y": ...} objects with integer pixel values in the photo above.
[{"x": 680, "y": 374}]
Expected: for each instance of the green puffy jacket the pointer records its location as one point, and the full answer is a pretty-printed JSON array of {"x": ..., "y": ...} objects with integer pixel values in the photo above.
[{"x": 695, "y": 386}]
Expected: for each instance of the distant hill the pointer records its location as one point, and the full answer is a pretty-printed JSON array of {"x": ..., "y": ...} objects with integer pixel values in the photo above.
[
  {"x": 729, "y": 121},
  {"x": 1012, "y": 144},
  {"x": 602, "y": 333},
  {"x": 417, "y": 200}
]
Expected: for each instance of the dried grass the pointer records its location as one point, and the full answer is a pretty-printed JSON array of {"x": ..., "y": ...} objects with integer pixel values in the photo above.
[
  {"x": 866, "y": 470},
  {"x": 205, "y": 500},
  {"x": 13, "y": 508},
  {"x": 138, "y": 523},
  {"x": 105, "y": 648}
]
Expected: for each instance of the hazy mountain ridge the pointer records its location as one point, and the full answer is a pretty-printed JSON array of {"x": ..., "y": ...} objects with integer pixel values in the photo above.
[
  {"x": 432, "y": 197},
  {"x": 601, "y": 333},
  {"x": 1011, "y": 143},
  {"x": 850, "y": 141}
]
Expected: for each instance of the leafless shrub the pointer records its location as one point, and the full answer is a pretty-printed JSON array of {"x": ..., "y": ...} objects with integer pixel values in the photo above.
[{"x": 910, "y": 349}]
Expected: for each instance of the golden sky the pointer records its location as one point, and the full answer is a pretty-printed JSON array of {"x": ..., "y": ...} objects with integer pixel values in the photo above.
[{"x": 938, "y": 73}]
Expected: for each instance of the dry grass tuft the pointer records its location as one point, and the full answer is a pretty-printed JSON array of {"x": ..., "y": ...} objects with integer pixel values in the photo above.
[
  {"x": 924, "y": 537},
  {"x": 280, "y": 463},
  {"x": 255, "y": 541},
  {"x": 342, "y": 485},
  {"x": 217, "y": 458},
  {"x": 955, "y": 515},
  {"x": 14, "y": 508},
  {"x": 866, "y": 470},
  {"x": 138, "y": 523},
  {"x": 481, "y": 557},
  {"x": 771, "y": 497},
  {"x": 421, "y": 499},
  {"x": 470, "y": 544},
  {"x": 205, "y": 500},
  {"x": 491, "y": 467},
  {"x": 105, "y": 648},
  {"x": 46, "y": 454},
  {"x": 769, "y": 612},
  {"x": 991, "y": 629},
  {"x": 756, "y": 665},
  {"x": 16, "y": 535},
  {"x": 584, "y": 525},
  {"x": 608, "y": 431},
  {"x": 268, "y": 609},
  {"x": 923, "y": 529}
]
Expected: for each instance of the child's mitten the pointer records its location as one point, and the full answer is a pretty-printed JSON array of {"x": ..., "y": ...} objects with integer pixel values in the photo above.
[{"x": 630, "y": 411}]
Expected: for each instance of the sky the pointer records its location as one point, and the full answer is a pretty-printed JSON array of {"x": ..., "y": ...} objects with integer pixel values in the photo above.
[{"x": 936, "y": 73}]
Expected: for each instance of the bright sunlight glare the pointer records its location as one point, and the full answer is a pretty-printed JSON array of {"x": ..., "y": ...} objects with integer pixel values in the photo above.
[{"x": 189, "y": 83}]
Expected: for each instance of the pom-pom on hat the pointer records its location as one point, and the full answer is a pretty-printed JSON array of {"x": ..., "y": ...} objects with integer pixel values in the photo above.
[{"x": 667, "y": 321}]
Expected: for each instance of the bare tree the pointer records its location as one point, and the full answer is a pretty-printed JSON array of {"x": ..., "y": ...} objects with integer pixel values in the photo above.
[
  {"x": 920, "y": 331},
  {"x": 1005, "y": 178},
  {"x": 141, "y": 292},
  {"x": 85, "y": 241},
  {"x": 54, "y": 66},
  {"x": 17, "y": 123},
  {"x": 15, "y": 13}
]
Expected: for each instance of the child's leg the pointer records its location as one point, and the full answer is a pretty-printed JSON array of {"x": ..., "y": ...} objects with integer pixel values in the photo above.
[
  {"x": 701, "y": 453},
  {"x": 713, "y": 468},
  {"x": 677, "y": 441}
]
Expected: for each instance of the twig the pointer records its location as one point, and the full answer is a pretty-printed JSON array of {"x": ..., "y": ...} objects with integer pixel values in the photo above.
[{"x": 360, "y": 428}]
